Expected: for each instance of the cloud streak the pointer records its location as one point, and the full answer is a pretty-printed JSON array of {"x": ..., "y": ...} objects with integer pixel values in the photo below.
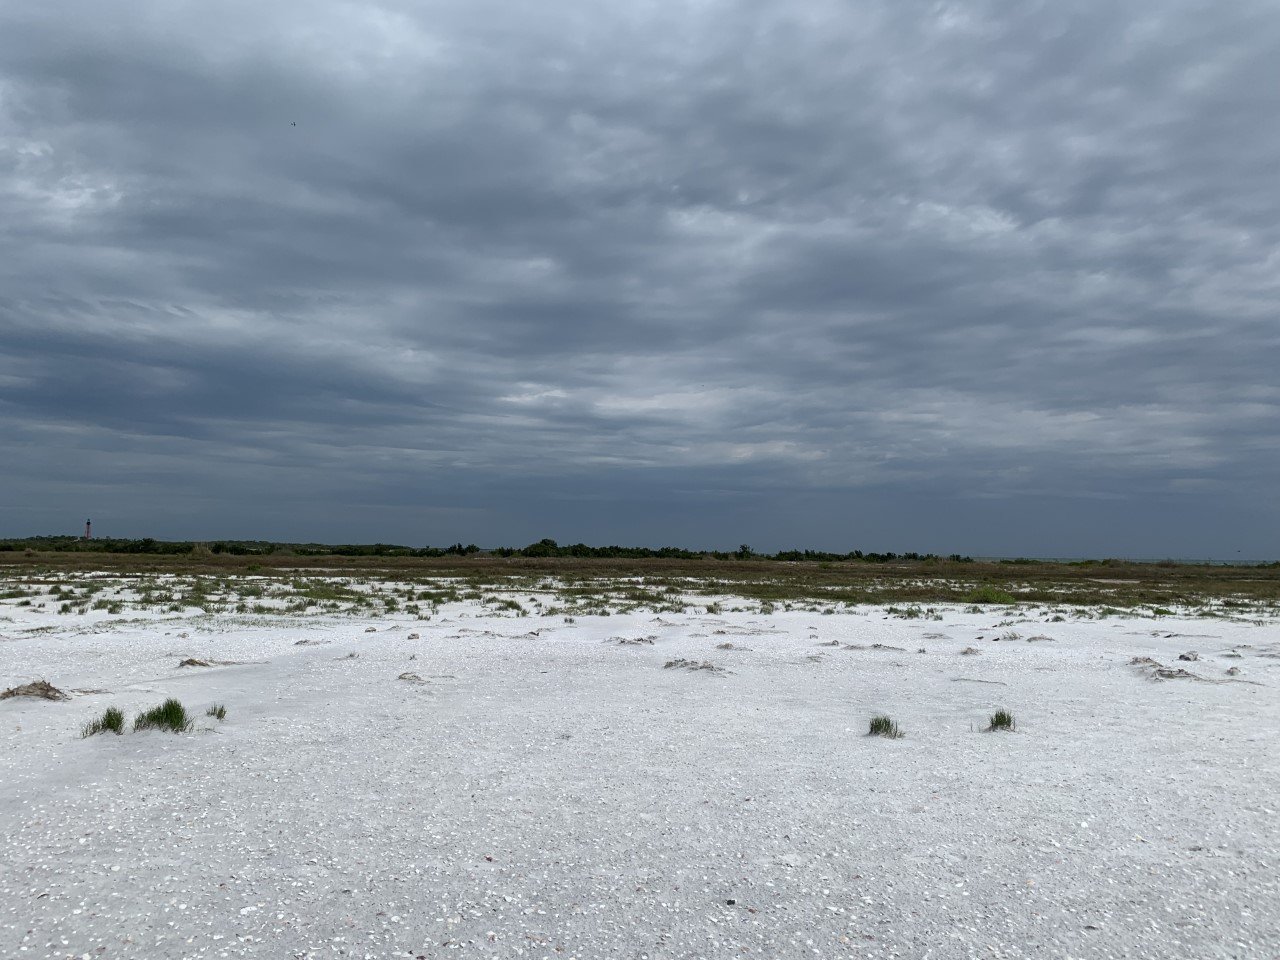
[{"x": 705, "y": 271}]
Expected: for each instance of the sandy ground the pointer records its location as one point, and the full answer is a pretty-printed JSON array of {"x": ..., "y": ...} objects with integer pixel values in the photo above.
[{"x": 546, "y": 791}]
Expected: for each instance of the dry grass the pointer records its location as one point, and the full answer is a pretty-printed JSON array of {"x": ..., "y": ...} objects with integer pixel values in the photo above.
[{"x": 38, "y": 689}]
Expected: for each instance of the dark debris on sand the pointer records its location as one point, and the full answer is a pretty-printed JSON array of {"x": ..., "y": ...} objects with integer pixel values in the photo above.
[{"x": 39, "y": 689}]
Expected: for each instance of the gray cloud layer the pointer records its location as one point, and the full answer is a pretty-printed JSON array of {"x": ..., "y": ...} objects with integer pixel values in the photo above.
[{"x": 982, "y": 276}]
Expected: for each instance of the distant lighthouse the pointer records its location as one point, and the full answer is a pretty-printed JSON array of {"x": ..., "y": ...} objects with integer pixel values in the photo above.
[{"x": 88, "y": 529}]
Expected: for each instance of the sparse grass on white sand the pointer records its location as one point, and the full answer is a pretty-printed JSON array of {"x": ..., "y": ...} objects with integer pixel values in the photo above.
[{"x": 541, "y": 789}]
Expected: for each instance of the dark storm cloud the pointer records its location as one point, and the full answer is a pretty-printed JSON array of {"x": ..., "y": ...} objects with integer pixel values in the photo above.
[{"x": 919, "y": 272}]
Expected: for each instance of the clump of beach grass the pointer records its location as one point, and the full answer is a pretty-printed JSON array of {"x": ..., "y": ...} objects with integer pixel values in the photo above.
[
  {"x": 989, "y": 594},
  {"x": 112, "y": 721},
  {"x": 1001, "y": 720},
  {"x": 883, "y": 726},
  {"x": 170, "y": 715},
  {"x": 218, "y": 711}
]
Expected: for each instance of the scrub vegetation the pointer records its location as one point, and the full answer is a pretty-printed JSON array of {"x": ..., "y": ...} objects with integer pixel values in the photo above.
[{"x": 545, "y": 579}]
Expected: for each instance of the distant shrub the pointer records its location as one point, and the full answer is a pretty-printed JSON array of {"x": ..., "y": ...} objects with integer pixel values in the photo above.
[
  {"x": 217, "y": 711},
  {"x": 913, "y": 612},
  {"x": 170, "y": 715},
  {"x": 1001, "y": 720},
  {"x": 112, "y": 720},
  {"x": 989, "y": 594},
  {"x": 883, "y": 726}
]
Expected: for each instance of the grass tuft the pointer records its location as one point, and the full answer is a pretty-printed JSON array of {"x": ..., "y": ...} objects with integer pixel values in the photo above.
[
  {"x": 883, "y": 726},
  {"x": 170, "y": 715},
  {"x": 217, "y": 711},
  {"x": 1001, "y": 720},
  {"x": 112, "y": 720}
]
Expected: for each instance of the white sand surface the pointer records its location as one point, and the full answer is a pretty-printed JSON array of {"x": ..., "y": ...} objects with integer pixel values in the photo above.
[{"x": 546, "y": 791}]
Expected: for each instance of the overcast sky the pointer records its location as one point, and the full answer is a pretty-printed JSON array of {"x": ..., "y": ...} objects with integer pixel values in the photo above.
[{"x": 987, "y": 277}]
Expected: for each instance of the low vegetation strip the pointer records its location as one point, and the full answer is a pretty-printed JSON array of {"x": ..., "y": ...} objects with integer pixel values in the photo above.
[{"x": 285, "y": 583}]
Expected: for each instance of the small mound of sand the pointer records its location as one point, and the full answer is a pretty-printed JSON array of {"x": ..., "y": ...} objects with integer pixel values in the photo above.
[
  {"x": 309, "y": 642},
  {"x": 411, "y": 677},
  {"x": 413, "y": 636},
  {"x": 193, "y": 662},
  {"x": 632, "y": 641},
  {"x": 969, "y": 651},
  {"x": 40, "y": 689},
  {"x": 874, "y": 646}
]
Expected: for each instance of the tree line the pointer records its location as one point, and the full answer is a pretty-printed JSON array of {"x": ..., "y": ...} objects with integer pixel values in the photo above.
[{"x": 543, "y": 548}]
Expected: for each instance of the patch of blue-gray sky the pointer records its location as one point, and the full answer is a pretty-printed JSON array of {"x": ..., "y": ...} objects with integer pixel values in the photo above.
[{"x": 979, "y": 276}]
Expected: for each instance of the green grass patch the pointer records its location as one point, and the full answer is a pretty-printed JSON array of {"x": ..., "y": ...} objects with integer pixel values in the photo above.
[
  {"x": 1001, "y": 720},
  {"x": 170, "y": 715},
  {"x": 218, "y": 711},
  {"x": 882, "y": 726},
  {"x": 111, "y": 721}
]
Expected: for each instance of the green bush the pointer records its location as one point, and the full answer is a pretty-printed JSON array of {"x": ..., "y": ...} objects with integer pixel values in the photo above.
[{"x": 217, "y": 711}]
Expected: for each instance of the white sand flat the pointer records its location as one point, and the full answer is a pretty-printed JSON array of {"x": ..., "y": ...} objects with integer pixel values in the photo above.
[{"x": 559, "y": 795}]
